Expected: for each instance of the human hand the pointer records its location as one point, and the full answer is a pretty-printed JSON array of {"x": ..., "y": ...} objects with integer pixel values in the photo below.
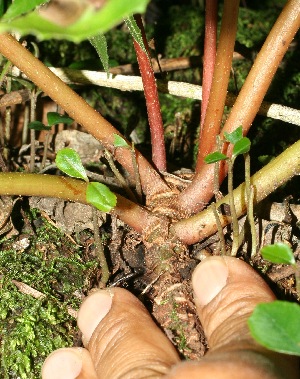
[{"x": 122, "y": 341}]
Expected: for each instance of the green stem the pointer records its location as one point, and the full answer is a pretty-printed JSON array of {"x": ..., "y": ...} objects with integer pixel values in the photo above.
[
  {"x": 265, "y": 181},
  {"x": 23, "y": 184},
  {"x": 235, "y": 224}
]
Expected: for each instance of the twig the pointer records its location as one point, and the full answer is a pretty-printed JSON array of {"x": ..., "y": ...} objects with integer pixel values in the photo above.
[{"x": 192, "y": 91}]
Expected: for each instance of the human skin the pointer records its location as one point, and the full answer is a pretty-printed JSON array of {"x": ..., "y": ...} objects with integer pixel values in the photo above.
[{"x": 122, "y": 341}]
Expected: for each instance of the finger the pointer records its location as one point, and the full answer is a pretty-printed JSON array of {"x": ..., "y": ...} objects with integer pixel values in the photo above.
[
  {"x": 226, "y": 292},
  {"x": 126, "y": 343},
  {"x": 69, "y": 363}
]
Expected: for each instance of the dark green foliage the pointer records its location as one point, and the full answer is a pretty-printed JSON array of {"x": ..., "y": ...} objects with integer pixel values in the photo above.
[{"x": 31, "y": 328}]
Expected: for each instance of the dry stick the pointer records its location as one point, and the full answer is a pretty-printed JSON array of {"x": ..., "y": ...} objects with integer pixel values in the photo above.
[
  {"x": 215, "y": 109},
  {"x": 152, "y": 102},
  {"x": 79, "y": 110},
  {"x": 200, "y": 191},
  {"x": 100, "y": 251},
  {"x": 265, "y": 181},
  {"x": 209, "y": 58},
  {"x": 187, "y": 90}
]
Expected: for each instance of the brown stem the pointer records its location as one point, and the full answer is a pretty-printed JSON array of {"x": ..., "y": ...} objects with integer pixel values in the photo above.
[
  {"x": 23, "y": 184},
  {"x": 152, "y": 101},
  {"x": 265, "y": 181},
  {"x": 194, "y": 198},
  {"x": 209, "y": 58},
  {"x": 212, "y": 123},
  {"x": 78, "y": 109}
]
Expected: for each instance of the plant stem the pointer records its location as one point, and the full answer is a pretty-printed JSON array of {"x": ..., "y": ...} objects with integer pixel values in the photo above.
[
  {"x": 235, "y": 224},
  {"x": 211, "y": 125},
  {"x": 152, "y": 101},
  {"x": 79, "y": 110},
  {"x": 200, "y": 191},
  {"x": 265, "y": 181},
  {"x": 23, "y": 184}
]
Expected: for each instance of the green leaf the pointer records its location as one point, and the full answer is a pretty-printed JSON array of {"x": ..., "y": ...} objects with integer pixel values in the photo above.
[
  {"x": 100, "y": 44},
  {"x": 278, "y": 253},
  {"x": 119, "y": 141},
  {"x": 241, "y": 147},
  {"x": 69, "y": 162},
  {"x": 89, "y": 24},
  {"x": 101, "y": 196},
  {"x": 234, "y": 136},
  {"x": 135, "y": 32},
  {"x": 215, "y": 157},
  {"x": 276, "y": 326},
  {"x": 54, "y": 118},
  {"x": 38, "y": 125},
  {"x": 20, "y": 7}
]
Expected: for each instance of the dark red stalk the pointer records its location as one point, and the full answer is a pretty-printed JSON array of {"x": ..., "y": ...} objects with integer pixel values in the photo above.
[
  {"x": 152, "y": 102},
  {"x": 209, "y": 58}
]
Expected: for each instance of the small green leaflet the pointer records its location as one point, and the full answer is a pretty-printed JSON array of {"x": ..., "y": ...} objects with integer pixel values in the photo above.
[
  {"x": 135, "y": 32},
  {"x": 100, "y": 21},
  {"x": 38, "y": 125},
  {"x": 101, "y": 196},
  {"x": 54, "y": 118},
  {"x": 276, "y": 326},
  {"x": 241, "y": 147},
  {"x": 100, "y": 44},
  {"x": 215, "y": 157},
  {"x": 278, "y": 253},
  {"x": 119, "y": 141},
  {"x": 69, "y": 162},
  {"x": 234, "y": 136},
  {"x": 20, "y": 7}
]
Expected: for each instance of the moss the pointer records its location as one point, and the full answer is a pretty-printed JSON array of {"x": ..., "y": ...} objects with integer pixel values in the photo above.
[{"x": 32, "y": 328}]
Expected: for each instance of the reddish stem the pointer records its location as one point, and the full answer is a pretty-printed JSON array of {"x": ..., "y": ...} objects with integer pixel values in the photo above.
[
  {"x": 209, "y": 58},
  {"x": 194, "y": 198},
  {"x": 152, "y": 101},
  {"x": 213, "y": 118}
]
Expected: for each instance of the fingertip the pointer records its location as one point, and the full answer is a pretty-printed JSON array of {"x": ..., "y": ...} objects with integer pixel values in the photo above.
[
  {"x": 69, "y": 363},
  {"x": 209, "y": 278},
  {"x": 94, "y": 308}
]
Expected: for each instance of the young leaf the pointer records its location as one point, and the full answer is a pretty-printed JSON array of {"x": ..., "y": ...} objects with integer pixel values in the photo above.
[
  {"x": 100, "y": 21},
  {"x": 38, "y": 125},
  {"x": 234, "y": 136},
  {"x": 100, "y": 44},
  {"x": 101, "y": 196},
  {"x": 135, "y": 32},
  {"x": 278, "y": 253},
  {"x": 215, "y": 157},
  {"x": 119, "y": 141},
  {"x": 54, "y": 118},
  {"x": 68, "y": 161},
  {"x": 20, "y": 7},
  {"x": 276, "y": 326},
  {"x": 241, "y": 147}
]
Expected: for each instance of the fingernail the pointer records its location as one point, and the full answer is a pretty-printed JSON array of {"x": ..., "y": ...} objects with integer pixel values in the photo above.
[
  {"x": 209, "y": 277},
  {"x": 93, "y": 310}
]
